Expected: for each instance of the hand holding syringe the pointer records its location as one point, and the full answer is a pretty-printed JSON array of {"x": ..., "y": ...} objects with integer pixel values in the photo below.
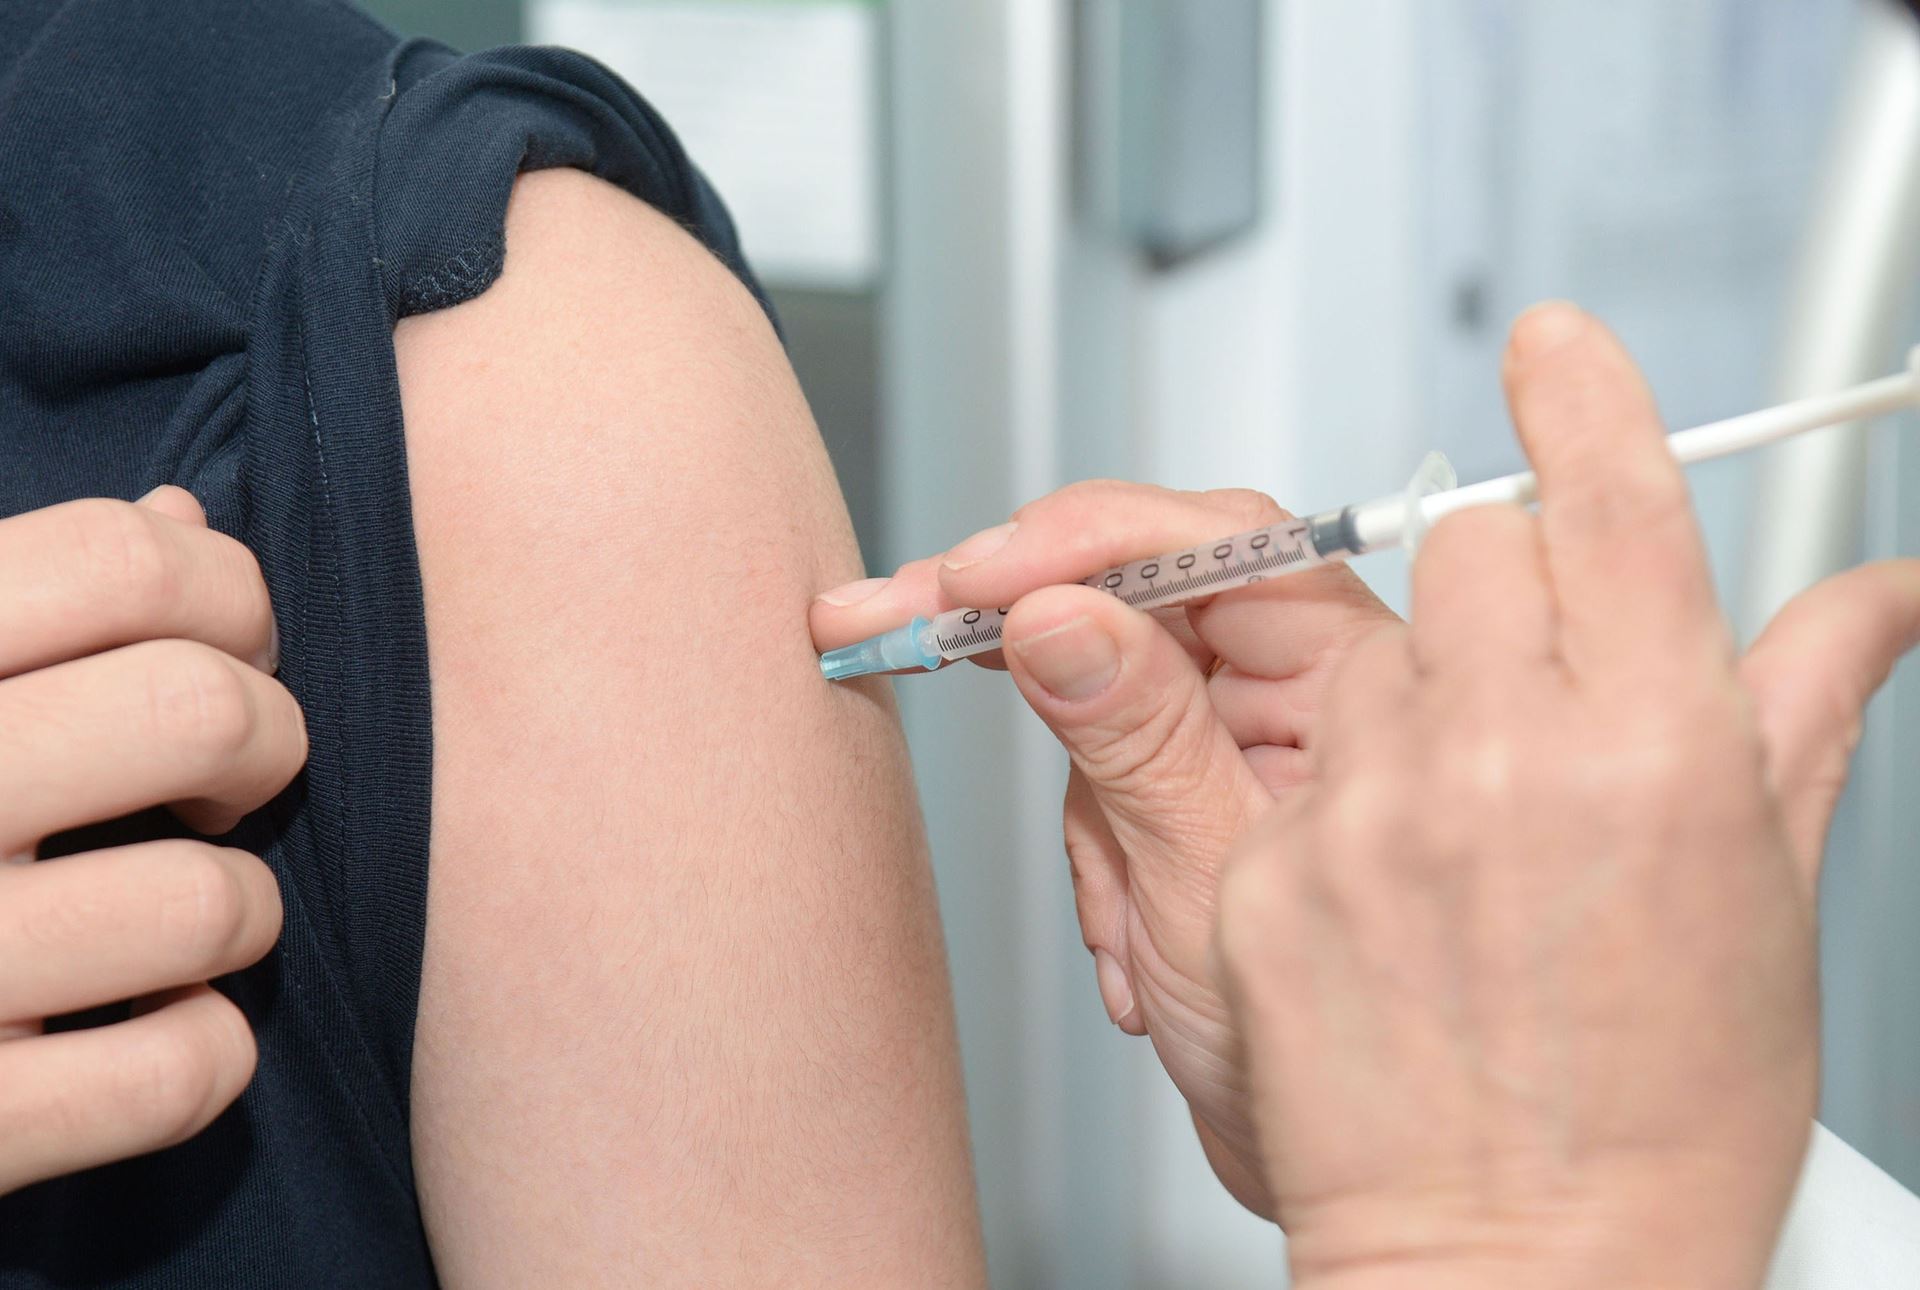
[
  {"x": 1194, "y": 735},
  {"x": 1343, "y": 533}
]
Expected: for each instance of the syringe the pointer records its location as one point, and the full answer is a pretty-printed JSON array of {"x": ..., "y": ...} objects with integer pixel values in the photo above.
[{"x": 1345, "y": 532}]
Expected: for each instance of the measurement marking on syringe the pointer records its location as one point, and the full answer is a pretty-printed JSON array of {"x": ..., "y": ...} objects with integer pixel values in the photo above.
[
  {"x": 1193, "y": 582},
  {"x": 1286, "y": 557},
  {"x": 979, "y": 637}
]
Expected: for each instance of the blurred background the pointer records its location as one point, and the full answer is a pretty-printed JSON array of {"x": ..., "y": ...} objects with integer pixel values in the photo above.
[{"x": 1276, "y": 243}]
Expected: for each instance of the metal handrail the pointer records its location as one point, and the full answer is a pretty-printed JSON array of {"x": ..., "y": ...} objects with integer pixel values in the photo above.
[{"x": 1855, "y": 284}]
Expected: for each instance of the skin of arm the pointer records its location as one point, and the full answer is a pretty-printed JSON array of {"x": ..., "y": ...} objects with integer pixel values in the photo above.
[{"x": 684, "y": 1016}]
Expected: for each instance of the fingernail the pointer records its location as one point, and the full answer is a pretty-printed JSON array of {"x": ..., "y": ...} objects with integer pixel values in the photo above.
[
  {"x": 979, "y": 547},
  {"x": 1074, "y": 661},
  {"x": 853, "y": 593},
  {"x": 1116, "y": 992},
  {"x": 273, "y": 648},
  {"x": 1547, "y": 326}
]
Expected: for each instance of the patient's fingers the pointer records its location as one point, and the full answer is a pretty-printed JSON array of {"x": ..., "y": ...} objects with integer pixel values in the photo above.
[
  {"x": 107, "y": 925},
  {"x": 86, "y": 576},
  {"x": 85, "y": 1097},
  {"x": 158, "y": 723}
]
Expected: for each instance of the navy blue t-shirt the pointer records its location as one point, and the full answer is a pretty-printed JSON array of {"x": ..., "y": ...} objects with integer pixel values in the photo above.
[{"x": 211, "y": 214}]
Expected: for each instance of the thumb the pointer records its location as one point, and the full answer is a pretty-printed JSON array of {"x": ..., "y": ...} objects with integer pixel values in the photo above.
[
  {"x": 1133, "y": 711},
  {"x": 1811, "y": 675}
]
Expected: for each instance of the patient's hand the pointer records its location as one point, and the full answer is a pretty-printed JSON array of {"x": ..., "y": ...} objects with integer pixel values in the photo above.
[{"x": 135, "y": 652}]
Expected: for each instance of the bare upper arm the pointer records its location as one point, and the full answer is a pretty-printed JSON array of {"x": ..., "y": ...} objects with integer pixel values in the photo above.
[{"x": 684, "y": 1017}]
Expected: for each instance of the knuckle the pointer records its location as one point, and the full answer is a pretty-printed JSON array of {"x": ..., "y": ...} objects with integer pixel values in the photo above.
[
  {"x": 1082, "y": 853},
  {"x": 1079, "y": 505},
  {"x": 1487, "y": 780},
  {"x": 1450, "y": 544},
  {"x": 1248, "y": 896},
  {"x": 168, "y": 1082},
  {"x": 1086, "y": 492},
  {"x": 1248, "y": 507},
  {"x": 279, "y": 727},
  {"x": 915, "y": 572},
  {"x": 1364, "y": 851},
  {"x": 300, "y": 744},
  {"x": 1156, "y": 753},
  {"x": 1068, "y": 499},
  {"x": 231, "y": 1039},
  {"x": 1374, "y": 653},
  {"x": 1485, "y": 768},
  {"x": 1834, "y": 705},
  {"x": 1360, "y": 812},
  {"x": 202, "y": 907},
  {"x": 250, "y": 582},
  {"x": 1654, "y": 500},
  {"x": 1088, "y": 869},
  {"x": 199, "y": 703},
  {"x": 1092, "y": 865},
  {"x": 1652, "y": 761},
  {"x": 1661, "y": 756},
  {"x": 71, "y": 915},
  {"x": 1448, "y": 532},
  {"x": 1471, "y": 531},
  {"x": 1258, "y": 924},
  {"x": 123, "y": 557}
]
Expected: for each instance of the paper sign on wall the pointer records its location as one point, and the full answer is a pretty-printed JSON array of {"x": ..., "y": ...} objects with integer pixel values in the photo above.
[{"x": 777, "y": 101}]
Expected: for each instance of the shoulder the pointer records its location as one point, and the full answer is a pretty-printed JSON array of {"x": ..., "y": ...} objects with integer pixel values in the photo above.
[
  {"x": 454, "y": 134},
  {"x": 611, "y": 462},
  {"x": 580, "y": 248},
  {"x": 617, "y": 361}
]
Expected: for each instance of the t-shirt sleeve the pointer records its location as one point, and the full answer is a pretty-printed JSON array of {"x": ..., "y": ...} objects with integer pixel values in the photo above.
[
  {"x": 399, "y": 208},
  {"x": 462, "y": 128}
]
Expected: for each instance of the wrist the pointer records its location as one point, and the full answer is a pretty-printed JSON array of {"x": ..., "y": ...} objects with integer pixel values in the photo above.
[
  {"x": 1502, "y": 1274},
  {"x": 1680, "y": 1231},
  {"x": 1550, "y": 1262}
]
